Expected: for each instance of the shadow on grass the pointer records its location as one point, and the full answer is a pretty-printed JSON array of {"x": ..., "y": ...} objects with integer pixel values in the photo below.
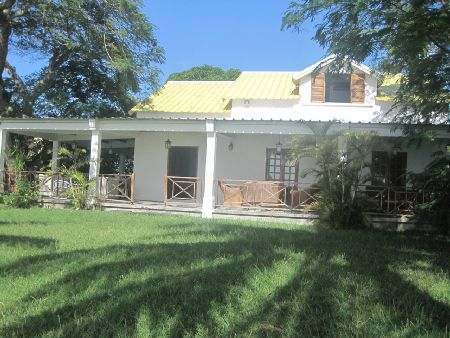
[
  {"x": 38, "y": 242},
  {"x": 15, "y": 223},
  {"x": 177, "y": 284}
]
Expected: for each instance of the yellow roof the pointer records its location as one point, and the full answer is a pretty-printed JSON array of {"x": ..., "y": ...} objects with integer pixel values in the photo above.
[
  {"x": 388, "y": 87},
  {"x": 264, "y": 86},
  {"x": 189, "y": 97},
  {"x": 215, "y": 96}
]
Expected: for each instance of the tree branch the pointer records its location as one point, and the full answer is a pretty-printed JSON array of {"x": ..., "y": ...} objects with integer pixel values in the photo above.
[
  {"x": 18, "y": 82},
  {"x": 44, "y": 82},
  {"x": 7, "y": 4}
]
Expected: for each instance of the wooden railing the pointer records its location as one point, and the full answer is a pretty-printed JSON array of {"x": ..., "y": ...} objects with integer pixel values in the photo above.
[
  {"x": 181, "y": 189},
  {"x": 264, "y": 194},
  {"x": 116, "y": 187},
  {"x": 270, "y": 194},
  {"x": 393, "y": 200},
  {"x": 48, "y": 184}
]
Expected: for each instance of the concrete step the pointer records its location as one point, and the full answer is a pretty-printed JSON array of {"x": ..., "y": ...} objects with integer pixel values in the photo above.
[{"x": 395, "y": 222}]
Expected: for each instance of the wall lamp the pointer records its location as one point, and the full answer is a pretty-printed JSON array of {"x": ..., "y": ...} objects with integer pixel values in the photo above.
[{"x": 168, "y": 143}]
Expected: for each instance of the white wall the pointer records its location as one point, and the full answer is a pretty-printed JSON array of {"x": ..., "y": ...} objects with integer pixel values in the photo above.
[
  {"x": 150, "y": 161},
  {"x": 347, "y": 112},
  {"x": 247, "y": 160}
]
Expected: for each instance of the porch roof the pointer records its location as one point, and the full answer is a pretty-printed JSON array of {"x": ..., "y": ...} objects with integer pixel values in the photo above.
[{"x": 117, "y": 128}]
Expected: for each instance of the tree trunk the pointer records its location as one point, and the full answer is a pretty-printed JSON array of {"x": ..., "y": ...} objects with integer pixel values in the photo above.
[{"x": 5, "y": 33}]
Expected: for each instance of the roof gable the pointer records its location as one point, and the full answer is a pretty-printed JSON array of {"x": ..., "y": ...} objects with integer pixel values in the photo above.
[{"x": 325, "y": 62}]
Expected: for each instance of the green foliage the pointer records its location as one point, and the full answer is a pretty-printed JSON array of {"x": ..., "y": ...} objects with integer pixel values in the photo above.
[
  {"x": 73, "y": 158},
  {"x": 100, "y": 54},
  {"x": 103, "y": 274},
  {"x": 206, "y": 73},
  {"x": 31, "y": 153},
  {"x": 24, "y": 194},
  {"x": 15, "y": 160},
  {"x": 435, "y": 180},
  {"x": 399, "y": 37},
  {"x": 79, "y": 190},
  {"x": 340, "y": 175}
]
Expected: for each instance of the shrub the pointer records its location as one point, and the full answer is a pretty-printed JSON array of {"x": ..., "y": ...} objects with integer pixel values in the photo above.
[
  {"x": 23, "y": 195},
  {"x": 79, "y": 190},
  {"x": 435, "y": 181},
  {"x": 339, "y": 176}
]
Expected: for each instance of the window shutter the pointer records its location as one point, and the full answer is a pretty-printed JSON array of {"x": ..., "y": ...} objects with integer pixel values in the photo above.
[
  {"x": 318, "y": 88},
  {"x": 358, "y": 88}
]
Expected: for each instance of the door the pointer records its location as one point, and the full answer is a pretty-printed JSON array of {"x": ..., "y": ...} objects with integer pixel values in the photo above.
[{"x": 181, "y": 165}]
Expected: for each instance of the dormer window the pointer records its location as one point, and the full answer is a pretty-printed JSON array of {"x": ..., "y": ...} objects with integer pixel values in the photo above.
[
  {"x": 341, "y": 88},
  {"x": 337, "y": 88}
]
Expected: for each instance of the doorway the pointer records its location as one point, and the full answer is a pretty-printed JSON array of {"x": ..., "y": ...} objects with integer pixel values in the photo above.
[{"x": 182, "y": 165}]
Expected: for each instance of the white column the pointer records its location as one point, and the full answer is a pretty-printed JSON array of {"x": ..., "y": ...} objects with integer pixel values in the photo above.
[
  {"x": 3, "y": 149},
  {"x": 55, "y": 162},
  {"x": 210, "y": 164},
  {"x": 94, "y": 159},
  {"x": 122, "y": 159}
]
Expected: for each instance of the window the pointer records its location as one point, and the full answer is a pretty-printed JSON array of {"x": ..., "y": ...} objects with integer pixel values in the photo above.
[
  {"x": 389, "y": 169},
  {"x": 337, "y": 88},
  {"x": 280, "y": 167}
]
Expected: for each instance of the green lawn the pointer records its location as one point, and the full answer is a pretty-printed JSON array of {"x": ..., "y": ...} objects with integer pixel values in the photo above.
[{"x": 69, "y": 273}]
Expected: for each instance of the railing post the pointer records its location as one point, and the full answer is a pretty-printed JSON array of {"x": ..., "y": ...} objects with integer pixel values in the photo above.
[
  {"x": 3, "y": 149},
  {"x": 132, "y": 182},
  {"x": 210, "y": 163}
]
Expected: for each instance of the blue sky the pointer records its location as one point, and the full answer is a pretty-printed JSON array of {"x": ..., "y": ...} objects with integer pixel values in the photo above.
[{"x": 244, "y": 34}]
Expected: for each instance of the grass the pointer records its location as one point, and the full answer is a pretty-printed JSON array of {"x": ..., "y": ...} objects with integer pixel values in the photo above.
[{"x": 74, "y": 273}]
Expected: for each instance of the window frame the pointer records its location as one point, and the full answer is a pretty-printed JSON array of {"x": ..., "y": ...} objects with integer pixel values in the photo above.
[
  {"x": 329, "y": 79},
  {"x": 395, "y": 164},
  {"x": 282, "y": 167}
]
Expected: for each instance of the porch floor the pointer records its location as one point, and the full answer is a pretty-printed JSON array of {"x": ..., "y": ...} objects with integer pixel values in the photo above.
[{"x": 219, "y": 212}]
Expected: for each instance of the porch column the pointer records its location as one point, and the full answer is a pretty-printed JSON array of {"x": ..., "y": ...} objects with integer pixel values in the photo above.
[
  {"x": 210, "y": 164},
  {"x": 55, "y": 162},
  {"x": 94, "y": 161},
  {"x": 3, "y": 149},
  {"x": 122, "y": 159}
]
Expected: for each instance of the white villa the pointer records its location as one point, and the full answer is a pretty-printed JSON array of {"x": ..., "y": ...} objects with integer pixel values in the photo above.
[{"x": 222, "y": 146}]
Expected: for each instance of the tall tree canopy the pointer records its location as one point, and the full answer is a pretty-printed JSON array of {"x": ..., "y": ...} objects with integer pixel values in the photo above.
[
  {"x": 206, "y": 73},
  {"x": 99, "y": 55},
  {"x": 407, "y": 37}
]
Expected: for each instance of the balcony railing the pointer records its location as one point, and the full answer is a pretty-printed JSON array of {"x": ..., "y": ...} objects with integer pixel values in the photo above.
[
  {"x": 264, "y": 194},
  {"x": 48, "y": 184},
  {"x": 181, "y": 189},
  {"x": 116, "y": 187},
  {"x": 276, "y": 195},
  {"x": 393, "y": 200}
]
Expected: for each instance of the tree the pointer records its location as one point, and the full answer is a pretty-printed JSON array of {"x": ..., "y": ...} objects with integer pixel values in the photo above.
[
  {"x": 206, "y": 73},
  {"x": 99, "y": 55},
  {"x": 408, "y": 37}
]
